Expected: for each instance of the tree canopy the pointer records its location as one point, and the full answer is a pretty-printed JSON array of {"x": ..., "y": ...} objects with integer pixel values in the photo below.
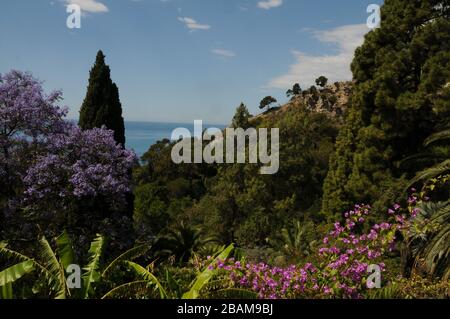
[{"x": 267, "y": 101}]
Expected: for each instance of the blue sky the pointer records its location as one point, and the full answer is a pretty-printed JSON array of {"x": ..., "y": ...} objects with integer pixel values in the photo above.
[{"x": 181, "y": 60}]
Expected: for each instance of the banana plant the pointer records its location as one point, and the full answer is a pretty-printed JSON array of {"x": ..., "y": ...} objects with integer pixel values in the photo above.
[
  {"x": 91, "y": 273},
  {"x": 52, "y": 265},
  {"x": 10, "y": 275},
  {"x": 205, "y": 287},
  {"x": 146, "y": 282},
  {"x": 202, "y": 285},
  {"x": 47, "y": 265},
  {"x": 206, "y": 275}
]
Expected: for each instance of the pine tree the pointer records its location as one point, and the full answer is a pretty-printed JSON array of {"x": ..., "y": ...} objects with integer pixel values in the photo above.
[
  {"x": 266, "y": 102},
  {"x": 321, "y": 81},
  {"x": 401, "y": 96},
  {"x": 101, "y": 105}
]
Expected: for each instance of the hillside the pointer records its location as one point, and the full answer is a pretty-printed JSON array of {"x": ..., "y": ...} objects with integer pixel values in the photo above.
[{"x": 333, "y": 99}]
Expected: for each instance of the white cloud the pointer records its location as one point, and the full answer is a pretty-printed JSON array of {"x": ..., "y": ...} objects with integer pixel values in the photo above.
[
  {"x": 192, "y": 24},
  {"x": 269, "y": 4},
  {"x": 224, "y": 53},
  {"x": 335, "y": 67},
  {"x": 92, "y": 6}
]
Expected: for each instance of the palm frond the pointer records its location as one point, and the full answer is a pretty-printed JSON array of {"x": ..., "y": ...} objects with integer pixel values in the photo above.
[
  {"x": 431, "y": 172},
  {"x": 440, "y": 136},
  {"x": 430, "y": 242},
  {"x": 418, "y": 157},
  {"x": 437, "y": 252}
]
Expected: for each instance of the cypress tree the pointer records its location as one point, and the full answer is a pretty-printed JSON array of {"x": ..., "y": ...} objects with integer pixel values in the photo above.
[
  {"x": 401, "y": 96},
  {"x": 101, "y": 105},
  {"x": 241, "y": 117}
]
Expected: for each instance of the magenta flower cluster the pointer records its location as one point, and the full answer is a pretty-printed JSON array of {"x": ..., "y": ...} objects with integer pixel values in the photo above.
[{"x": 341, "y": 266}]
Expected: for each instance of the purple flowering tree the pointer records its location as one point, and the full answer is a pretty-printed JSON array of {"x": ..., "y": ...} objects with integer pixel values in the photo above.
[
  {"x": 80, "y": 165},
  {"x": 51, "y": 170},
  {"x": 27, "y": 117}
]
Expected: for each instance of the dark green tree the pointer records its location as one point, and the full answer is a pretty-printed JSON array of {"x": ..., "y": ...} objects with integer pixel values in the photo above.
[
  {"x": 296, "y": 90},
  {"x": 266, "y": 102},
  {"x": 321, "y": 81},
  {"x": 401, "y": 96},
  {"x": 102, "y": 106},
  {"x": 241, "y": 117}
]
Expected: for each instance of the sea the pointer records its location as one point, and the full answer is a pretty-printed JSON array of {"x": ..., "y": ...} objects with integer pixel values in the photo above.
[{"x": 141, "y": 135}]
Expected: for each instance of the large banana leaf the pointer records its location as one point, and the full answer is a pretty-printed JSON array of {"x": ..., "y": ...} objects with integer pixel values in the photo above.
[
  {"x": 65, "y": 250},
  {"x": 148, "y": 276},
  {"x": 92, "y": 274},
  {"x": 9, "y": 254},
  {"x": 13, "y": 273},
  {"x": 6, "y": 291},
  {"x": 57, "y": 278},
  {"x": 204, "y": 277}
]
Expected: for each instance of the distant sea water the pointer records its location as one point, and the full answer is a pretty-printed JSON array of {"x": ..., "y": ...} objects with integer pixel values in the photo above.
[{"x": 141, "y": 135}]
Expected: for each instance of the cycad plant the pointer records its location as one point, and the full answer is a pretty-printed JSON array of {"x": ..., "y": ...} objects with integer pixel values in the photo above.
[
  {"x": 183, "y": 242},
  {"x": 296, "y": 242},
  {"x": 428, "y": 239}
]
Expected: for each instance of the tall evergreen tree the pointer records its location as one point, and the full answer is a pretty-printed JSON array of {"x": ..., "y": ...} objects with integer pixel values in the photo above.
[
  {"x": 241, "y": 117},
  {"x": 401, "y": 96},
  {"x": 102, "y": 105}
]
